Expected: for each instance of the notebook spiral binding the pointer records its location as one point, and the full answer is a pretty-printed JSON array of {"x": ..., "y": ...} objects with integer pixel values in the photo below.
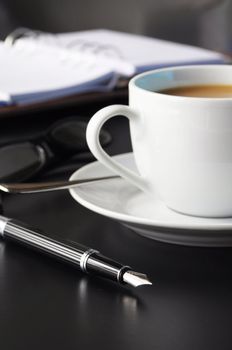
[
  {"x": 19, "y": 33},
  {"x": 82, "y": 45}
]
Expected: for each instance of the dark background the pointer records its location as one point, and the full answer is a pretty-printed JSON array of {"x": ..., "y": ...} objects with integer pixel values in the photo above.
[
  {"x": 47, "y": 305},
  {"x": 201, "y": 22}
]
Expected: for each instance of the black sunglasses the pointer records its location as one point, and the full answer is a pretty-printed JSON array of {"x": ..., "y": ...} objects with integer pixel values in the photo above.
[{"x": 23, "y": 160}]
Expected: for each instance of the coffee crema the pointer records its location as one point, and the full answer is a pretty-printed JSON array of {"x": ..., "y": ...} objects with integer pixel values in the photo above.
[{"x": 217, "y": 91}]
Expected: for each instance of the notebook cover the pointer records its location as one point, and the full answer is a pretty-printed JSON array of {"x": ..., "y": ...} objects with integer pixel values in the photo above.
[{"x": 69, "y": 101}]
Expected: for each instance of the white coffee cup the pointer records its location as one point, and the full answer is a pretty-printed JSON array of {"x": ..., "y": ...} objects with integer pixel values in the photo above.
[{"x": 182, "y": 145}]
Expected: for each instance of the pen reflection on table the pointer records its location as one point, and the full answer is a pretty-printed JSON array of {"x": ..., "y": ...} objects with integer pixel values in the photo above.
[{"x": 124, "y": 301}]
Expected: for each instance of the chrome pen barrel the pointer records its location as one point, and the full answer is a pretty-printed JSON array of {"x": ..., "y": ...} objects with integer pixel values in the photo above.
[
  {"x": 85, "y": 259},
  {"x": 17, "y": 231}
]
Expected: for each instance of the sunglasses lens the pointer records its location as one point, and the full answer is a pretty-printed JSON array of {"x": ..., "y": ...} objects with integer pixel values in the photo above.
[
  {"x": 71, "y": 136},
  {"x": 23, "y": 160},
  {"x": 20, "y": 161}
]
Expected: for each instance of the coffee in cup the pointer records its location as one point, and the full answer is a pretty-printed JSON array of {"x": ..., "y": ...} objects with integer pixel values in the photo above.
[{"x": 216, "y": 91}]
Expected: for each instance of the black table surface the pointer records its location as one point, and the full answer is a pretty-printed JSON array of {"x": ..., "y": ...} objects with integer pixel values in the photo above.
[{"x": 45, "y": 304}]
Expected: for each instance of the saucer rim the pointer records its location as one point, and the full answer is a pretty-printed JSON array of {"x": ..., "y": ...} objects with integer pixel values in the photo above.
[{"x": 127, "y": 218}]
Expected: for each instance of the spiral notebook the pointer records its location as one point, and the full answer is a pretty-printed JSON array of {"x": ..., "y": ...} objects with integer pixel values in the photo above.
[{"x": 40, "y": 67}]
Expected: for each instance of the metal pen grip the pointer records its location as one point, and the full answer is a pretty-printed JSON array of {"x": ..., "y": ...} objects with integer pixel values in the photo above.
[{"x": 101, "y": 265}]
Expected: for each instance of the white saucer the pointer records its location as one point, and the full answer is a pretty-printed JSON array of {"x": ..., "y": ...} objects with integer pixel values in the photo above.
[{"x": 149, "y": 217}]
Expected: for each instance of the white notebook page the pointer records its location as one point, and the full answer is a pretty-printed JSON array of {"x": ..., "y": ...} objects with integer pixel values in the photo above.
[
  {"x": 29, "y": 68},
  {"x": 140, "y": 51}
]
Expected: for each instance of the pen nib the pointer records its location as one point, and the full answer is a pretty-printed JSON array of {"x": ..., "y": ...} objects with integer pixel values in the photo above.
[{"x": 135, "y": 279}]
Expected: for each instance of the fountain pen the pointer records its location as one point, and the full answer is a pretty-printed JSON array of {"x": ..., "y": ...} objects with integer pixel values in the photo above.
[{"x": 85, "y": 259}]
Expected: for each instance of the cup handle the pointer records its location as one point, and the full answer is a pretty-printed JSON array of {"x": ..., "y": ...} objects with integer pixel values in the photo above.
[{"x": 92, "y": 135}]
